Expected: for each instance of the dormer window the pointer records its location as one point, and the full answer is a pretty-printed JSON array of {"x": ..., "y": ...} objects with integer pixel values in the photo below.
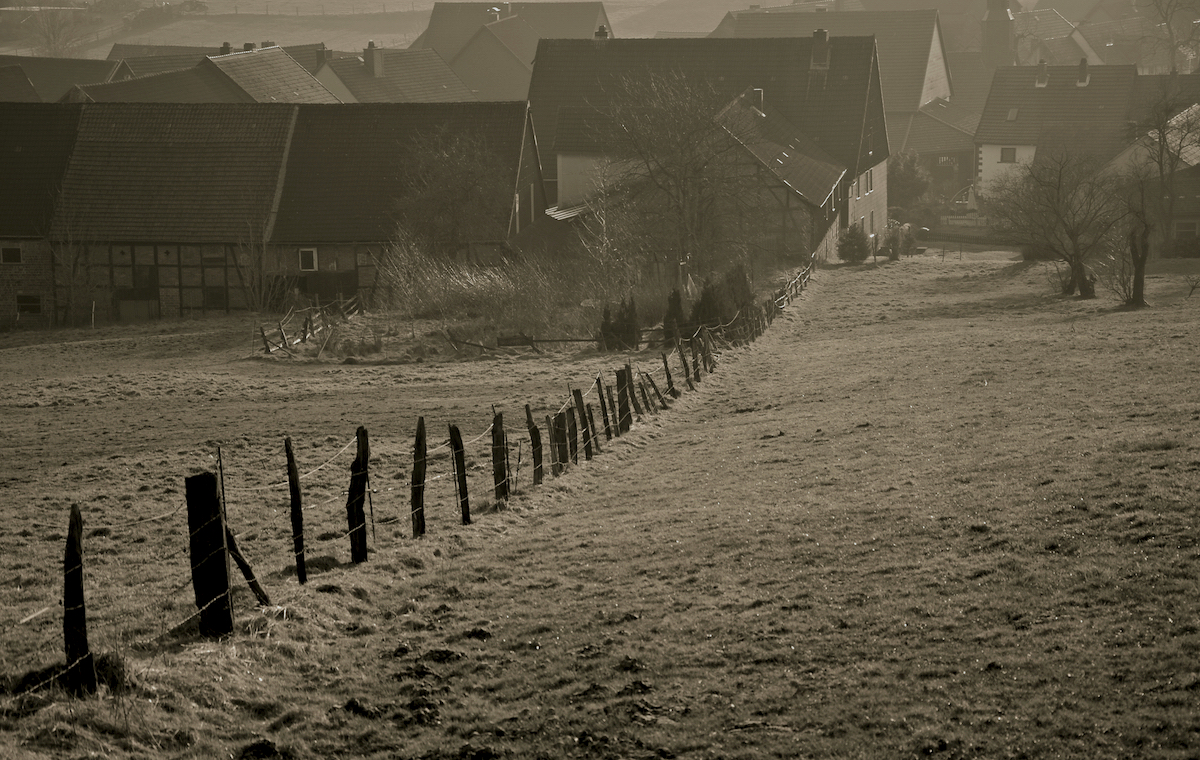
[{"x": 1012, "y": 114}]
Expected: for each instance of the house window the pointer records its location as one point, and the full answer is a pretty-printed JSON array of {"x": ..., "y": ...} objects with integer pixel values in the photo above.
[
  {"x": 1008, "y": 155},
  {"x": 947, "y": 161},
  {"x": 1186, "y": 230},
  {"x": 10, "y": 256},
  {"x": 308, "y": 259},
  {"x": 29, "y": 304}
]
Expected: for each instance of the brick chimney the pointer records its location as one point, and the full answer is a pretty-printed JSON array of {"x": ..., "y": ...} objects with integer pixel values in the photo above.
[
  {"x": 818, "y": 67},
  {"x": 601, "y": 32},
  {"x": 1043, "y": 75},
  {"x": 248, "y": 46},
  {"x": 226, "y": 48},
  {"x": 373, "y": 58},
  {"x": 1084, "y": 76}
]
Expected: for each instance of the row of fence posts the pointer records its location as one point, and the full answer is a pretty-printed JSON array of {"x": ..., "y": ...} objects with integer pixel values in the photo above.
[{"x": 573, "y": 428}]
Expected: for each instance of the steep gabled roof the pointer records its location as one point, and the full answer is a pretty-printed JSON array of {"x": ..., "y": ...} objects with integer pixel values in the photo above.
[
  {"x": 155, "y": 59},
  {"x": 270, "y": 75},
  {"x": 409, "y": 76},
  {"x": 1019, "y": 112},
  {"x": 783, "y": 150},
  {"x": 516, "y": 34},
  {"x": 497, "y": 62},
  {"x": 183, "y": 173},
  {"x": 52, "y": 77},
  {"x": 669, "y": 17},
  {"x": 15, "y": 87},
  {"x": 37, "y": 140},
  {"x": 194, "y": 85},
  {"x": 936, "y": 128},
  {"x": 841, "y": 110},
  {"x": 904, "y": 39},
  {"x": 347, "y": 164},
  {"x": 452, "y": 25}
]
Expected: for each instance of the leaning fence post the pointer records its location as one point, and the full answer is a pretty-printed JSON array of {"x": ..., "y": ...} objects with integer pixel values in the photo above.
[
  {"x": 601, "y": 389},
  {"x": 645, "y": 397},
  {"x": 209, "y": 555},
  {"x": 687, "y": 374},
  {"x": 243, "y": 564},
  {"x": 592, "y": 427},
  {"x": 297, "y": 511},
  {"x": 80, "y": 675},
  {"x": 535, "y": 445},
  {"x": 695, "y": 359},
  {"x": 654, "y": 386},
  {"x": 561, "y": 446},
  {"x": 613, "y": 411},
  {"x": 632, "y": 385},
  {"x": 355, "y": 514},
  {"x": 499, "y": 457},
  {"x": 585, "y": 430},
  {"x": 460, "y": 473},
  {"x": 671, "y": 390},
  {"x": 418, "y": 480}
]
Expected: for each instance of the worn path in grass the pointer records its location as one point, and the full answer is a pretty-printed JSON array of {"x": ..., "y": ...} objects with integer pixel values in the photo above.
[{"x": 934, "y": 511}]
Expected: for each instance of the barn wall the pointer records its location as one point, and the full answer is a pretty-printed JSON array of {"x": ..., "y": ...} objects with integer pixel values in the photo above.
[{"x": 26, "y": 284}]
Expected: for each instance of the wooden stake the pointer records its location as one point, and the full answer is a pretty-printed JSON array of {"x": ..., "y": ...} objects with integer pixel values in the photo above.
[
  {"x": 460, "y": 473},
  {"x": 601, "y": 389},
  {"x": 535, "y": 444},
  {"x": 297, "y": 511},
  {"x": 209, "y": 555},
  {"x": 555, "y": 463},
  {"x": 613, "y": 412},
  {"x": 585, "y": 429},
  {"x": 247, "y": 572},
  {"x": 632, "y": 385},
  {"x": 662, "y": 401},
  {"x": 80, "y": 675},
  {"x": 592, "y": 426},
  {"x": 687, "y": 374},
  {"x": 623, "y": 395},
  {"x": 672, "y": 391},
  {"x": 356, "y": 501},
  {"x": 418, "y": 480},
  {"x": 560, "y": 439},
  {"x": 572, "y": 435},
  {"x": 499, "y": 457}
]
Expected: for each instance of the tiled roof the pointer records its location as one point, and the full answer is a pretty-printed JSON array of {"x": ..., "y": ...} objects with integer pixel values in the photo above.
[
  {"x": 270, "y": 75},
  {"x": 182, "y": 173},
  {"x": 155, "y": 59},
  {"x": 52, "y": 77},
  {"x": 924, "y": 132},
  {"x": 409, "y": 76},
  {"x": 518, "y": 35},
  {"x": 198, "y": 84},
  {"x": 346, "y": 166},
  {"x": 953, "y": 114},
  {"x": 783, "y": 150},
  {"x": 837, "y": 112},
  {"x": 35, "y": 144},
  {"x": 496, "y": 64},
  {"x": 904, "y": 39},
  {"x": 1018, "y": 112},
  {"x": 972, "y": 81},
  {"x": 1043, "y": 24},
  {"x": 15, "y": 87},
  {"x": 669, "y": 17},
  {"x": 452, "y": 25}
]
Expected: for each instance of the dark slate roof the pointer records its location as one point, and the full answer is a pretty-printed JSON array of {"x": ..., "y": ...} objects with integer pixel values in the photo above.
[
  {"x": 15, "y": 87},
  {"x": 953, "y": 114},
  {"x": 1042, "y": 23},
  {"x": 181, "y": 173},
  {"x": 904, "y": 39},
  {"x": 932, "y": 130},
  {"x": 518, "y": 35},
  {"x": 972, "y": 81},
  {"x": 347, "y": 163},
  {"x": 837, "y": 115},
  {"x": 1102, "y": 109},
  {"x": 198, "y": 84},
  {"x": 409, "y": 76},
  {"x": 52, "y": 77},
  {"x": 35, "y": 144},
  {"x": 270, "y": 75},
  {"x": 452, "y": 25},
  {"x": 783, "y": 150}
]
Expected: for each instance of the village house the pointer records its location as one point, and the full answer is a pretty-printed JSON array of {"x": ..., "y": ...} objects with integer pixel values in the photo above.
[
  {"x": 51, "y": 78},
  {"x": 828, "y": 89},
  {"x": 133, "y": 211},
  {"x": 253, "y": 75},
  {"x": 491, "y": 46},
  {"x": 156, "y": 59}
]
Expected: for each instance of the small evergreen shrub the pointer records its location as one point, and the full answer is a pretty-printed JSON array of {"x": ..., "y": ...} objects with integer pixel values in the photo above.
[
  {"x": 853, "y": 245},
  {"x": 620, "y": 331},
  {"x": 721, "y": 300}
]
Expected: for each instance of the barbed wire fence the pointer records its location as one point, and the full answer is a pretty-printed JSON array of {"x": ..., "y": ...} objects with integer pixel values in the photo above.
[{"x": 446, "y": 470}]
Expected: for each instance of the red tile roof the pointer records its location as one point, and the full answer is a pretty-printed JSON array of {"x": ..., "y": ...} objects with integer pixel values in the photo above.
[
  {"x": 174, "y": 172},
  {"x": 409, "y": 76},
  {"x": 37, "y": 139}
]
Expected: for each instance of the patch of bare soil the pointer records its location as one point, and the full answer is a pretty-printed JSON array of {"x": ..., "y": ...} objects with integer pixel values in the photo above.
[{"x": 935, "y": 511}]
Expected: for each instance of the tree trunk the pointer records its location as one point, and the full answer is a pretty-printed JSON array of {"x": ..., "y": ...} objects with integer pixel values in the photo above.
[{"x": 1139, "y": 253}]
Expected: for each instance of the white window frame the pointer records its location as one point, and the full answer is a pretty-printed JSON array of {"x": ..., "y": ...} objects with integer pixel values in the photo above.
[
  {"x": 1012, "y": 152},
  {"x": 315, "y": 265}
]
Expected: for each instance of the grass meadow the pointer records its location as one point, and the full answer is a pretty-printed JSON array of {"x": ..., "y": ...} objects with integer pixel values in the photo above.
[{"x": 936, "y": 511}]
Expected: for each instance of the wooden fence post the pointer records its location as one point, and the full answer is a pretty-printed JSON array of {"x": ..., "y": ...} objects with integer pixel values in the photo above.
[
  {"x": 209, "y": 555},
  {"x": 572, "y": 435},
  {"x": 552, "y": 433},
  {"x": 499, "y": 457},
  {"x": 535, "y": 445},
  {"x": 592, "y": 426},
  {"x": 297, "y": 511},
  {"x": 625, "y": 418},
  {"x": 662, "y": 401},
  {"x": 80, "y": 675},
  {"x": 672, "y": 391},
  {"x": 601, "y": 389},
  {"x": 420, "y": 455},
  {"x": 687, "y": 374},
  {"x": 632, "y": 384},
  {"x": 649, "y": 406},
  {"x": 560, "y": 439},
  {"x": 460, "y": 473},
  {"x": 239, "y": 559},
  {"x": 695, "y": 359},
  {"x": 613, "y": 412},
  {"x": 585, "y": 428},
  {"x": 355, "y": 515}
]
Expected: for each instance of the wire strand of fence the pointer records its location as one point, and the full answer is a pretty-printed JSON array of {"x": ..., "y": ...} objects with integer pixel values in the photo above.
[{"x": 285, "y": 484}]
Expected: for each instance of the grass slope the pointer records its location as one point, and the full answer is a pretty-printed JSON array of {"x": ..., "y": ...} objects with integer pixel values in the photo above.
[{"x": 933, "y": 512}]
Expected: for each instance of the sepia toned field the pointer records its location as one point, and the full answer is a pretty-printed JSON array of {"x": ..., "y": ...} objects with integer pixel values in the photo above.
[{"x": 936, "y": 510}]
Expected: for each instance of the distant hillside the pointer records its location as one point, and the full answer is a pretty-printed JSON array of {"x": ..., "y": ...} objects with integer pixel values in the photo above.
[{"x": 679, "y": 16}]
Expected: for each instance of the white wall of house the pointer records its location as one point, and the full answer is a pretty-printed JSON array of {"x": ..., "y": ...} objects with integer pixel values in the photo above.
[
  {"x": 994, "y": 161},
  {"x": 868, "y": 202},
  {"x": 937, "y": 73}
]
